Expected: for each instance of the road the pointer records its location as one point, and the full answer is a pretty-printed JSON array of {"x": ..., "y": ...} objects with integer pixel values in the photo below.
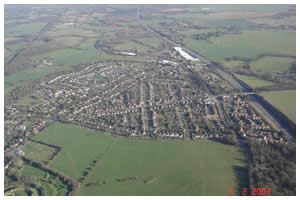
[{"x": 226, "y": 76}]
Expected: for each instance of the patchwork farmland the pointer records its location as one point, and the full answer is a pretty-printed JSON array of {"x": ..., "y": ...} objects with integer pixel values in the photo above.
[{"x": 149, "y": 99}]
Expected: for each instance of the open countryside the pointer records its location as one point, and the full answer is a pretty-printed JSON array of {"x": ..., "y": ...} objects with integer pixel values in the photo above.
[
  {"x": 120, "y": 168},
  {"x": 166, "y": 100},
  {"x": 284, "y": 100}
]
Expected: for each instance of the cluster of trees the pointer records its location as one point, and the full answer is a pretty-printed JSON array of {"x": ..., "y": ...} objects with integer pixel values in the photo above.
[
  {"x": 208, "y": 35},
  {"x": 71, "y": 184},
  {"x": 230, "y": 138},
  {"x": 274, "y": 166},
  {"x": 87, "y": 170},
  {"x": 13, "y": 172},
  {"x": 20, "y": 91},
  {"x": 14, "y": 176},
  {"x": 245, "y": 69},
  {"x": 293, "y": 67}
]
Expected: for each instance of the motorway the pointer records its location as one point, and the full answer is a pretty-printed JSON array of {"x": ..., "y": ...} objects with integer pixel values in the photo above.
[{"x": 276, "y": 122}]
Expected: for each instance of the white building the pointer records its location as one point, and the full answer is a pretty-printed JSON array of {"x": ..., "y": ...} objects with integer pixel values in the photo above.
[{"x": 185, "y": 54}]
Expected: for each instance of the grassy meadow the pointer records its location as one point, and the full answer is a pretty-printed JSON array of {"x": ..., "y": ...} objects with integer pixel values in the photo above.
[
  {"x": 253, "y": 81},
  {"x": 161, "y": 167},
  {"x": 248, "y": 44},
  {"x": 233, "y": 64},
  {"x": 31, "y": 74},
  {"x": 84, "y": 53},
  {"x": 151, "y": 41},
  {"x": 285, "y": 101},
  {"x": 62, "y": 60},
  {"x": 24, "y": 29},
  {"x": 132, "y": 46},
  {"x": 272, "y": 64},
  {"x": 44, "y": 152}
]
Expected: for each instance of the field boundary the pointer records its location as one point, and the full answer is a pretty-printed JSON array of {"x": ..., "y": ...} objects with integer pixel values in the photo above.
[
  {"x": 285, "y": 121},
  {"x": 57, "y": 150},
  {"x": 70, "y": 183}
]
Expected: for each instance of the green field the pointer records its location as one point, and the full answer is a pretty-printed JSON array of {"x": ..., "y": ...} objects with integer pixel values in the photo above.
[
  {"x": 31, "y": 74},
  {"x": 253, "y": 81},
  {"x": 24, "y": 29},
  {"x": 16, "y": 46},
  {"x": 10, "y": 38},
  {"x": 68, "y": 41},
  {"x": 229, "y": 15},
  {"x": 191, "y": 32},
  {"x": 233, "y": 64},
  {"x": 62, "y": 60},
  {"x": 151, "y": 41},
  {"x": 249, "y": 44},
  {"x": 70, "y": 56},
  {"x": 28, "y": 170},
  {"x": 132, "y": 46},
  {"x": 85, "y": 53},
  {"x": 161, "y": 167},
  {"x": 44, "y": 152},
  {"x": 49, "y": 184},
  {"x": 285, "y": 101},
  {"x": 65, "y": 29},
  {"x": 80, "y": 147},
  {"x": 272, "y": 64},
  {"x": 289, "y": 20}
]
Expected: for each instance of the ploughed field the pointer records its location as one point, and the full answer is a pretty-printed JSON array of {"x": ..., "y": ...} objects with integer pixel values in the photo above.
[{"x": 112, "y": 165}]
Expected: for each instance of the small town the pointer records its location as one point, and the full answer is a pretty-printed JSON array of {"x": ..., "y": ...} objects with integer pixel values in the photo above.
[
  {"x": 160, "y": 99},
  {"x": 149, "y": 99}
]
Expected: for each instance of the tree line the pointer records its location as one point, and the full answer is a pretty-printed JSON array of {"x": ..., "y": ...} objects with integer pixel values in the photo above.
[{"x": 274, "y": 166}]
